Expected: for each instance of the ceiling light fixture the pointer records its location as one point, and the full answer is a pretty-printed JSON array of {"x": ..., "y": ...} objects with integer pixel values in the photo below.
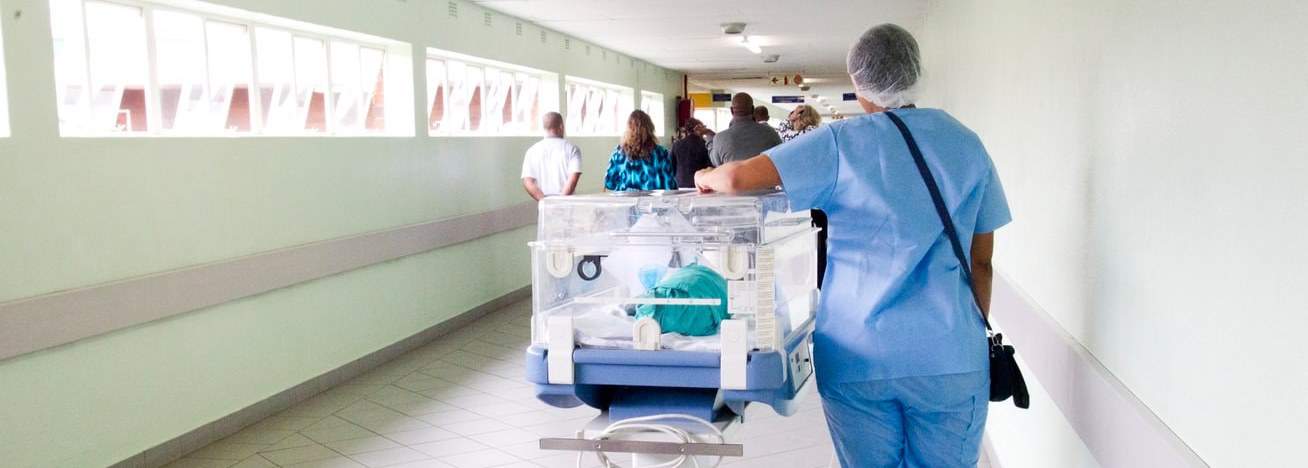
[{"x": 746, "y": 43}]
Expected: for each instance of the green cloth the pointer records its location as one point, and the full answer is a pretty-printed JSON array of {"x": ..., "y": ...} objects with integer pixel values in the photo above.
[{"x": 691, "y": 282}]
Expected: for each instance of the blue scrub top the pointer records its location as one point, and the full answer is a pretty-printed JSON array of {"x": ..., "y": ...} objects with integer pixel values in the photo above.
[{"x": 895, "y": 302}]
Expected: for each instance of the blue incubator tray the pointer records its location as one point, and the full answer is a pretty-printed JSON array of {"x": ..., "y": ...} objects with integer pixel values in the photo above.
[{"x": 630, "y": 383}]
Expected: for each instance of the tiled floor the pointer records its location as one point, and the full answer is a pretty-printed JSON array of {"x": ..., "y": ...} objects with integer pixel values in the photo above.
[{"x": 461, "y": 402}]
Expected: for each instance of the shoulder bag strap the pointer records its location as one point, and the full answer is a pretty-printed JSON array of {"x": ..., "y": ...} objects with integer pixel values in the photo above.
[{"x": 941, "y": 210}]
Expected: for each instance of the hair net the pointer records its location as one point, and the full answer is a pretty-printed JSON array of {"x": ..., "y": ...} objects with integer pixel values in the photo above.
[{"x": 884, "y": 65}]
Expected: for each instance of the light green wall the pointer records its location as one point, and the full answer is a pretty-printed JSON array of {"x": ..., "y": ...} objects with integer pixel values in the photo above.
[
  {"x": 79, "y": 212},
  {"x": 1154, "y": 157},
  {"x": 101, "y": 400}
]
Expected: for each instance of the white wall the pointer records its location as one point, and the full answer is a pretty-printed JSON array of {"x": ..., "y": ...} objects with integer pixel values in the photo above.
[
  {"x": 1155, "y": 158},
  {"x": 4, "y": 92},
  {"x": 1039, "y": 436}
]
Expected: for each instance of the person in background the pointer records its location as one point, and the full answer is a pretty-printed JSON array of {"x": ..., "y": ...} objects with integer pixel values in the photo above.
[
  {"x": 761, "y": 115},
  {"x": 900, "y": 348},
  {"x": 639, "y": 163},
  {"x": 745, "y": 137},
  {"x": 802, "y": 120},
  {"x": 707, "y": 134},
  {"x": 552, "y": 166},
  {"x": 690, "y": 152}
]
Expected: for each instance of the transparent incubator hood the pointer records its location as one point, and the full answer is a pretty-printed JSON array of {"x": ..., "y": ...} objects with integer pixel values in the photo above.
[{"x": 608, "y": 259}]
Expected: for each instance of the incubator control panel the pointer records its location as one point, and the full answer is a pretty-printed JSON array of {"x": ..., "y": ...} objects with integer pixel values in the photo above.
[{"x": 801, "y": 364}]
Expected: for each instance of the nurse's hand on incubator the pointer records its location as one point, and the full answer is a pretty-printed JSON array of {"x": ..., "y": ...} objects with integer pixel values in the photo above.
[
  {"x": 756, "y": 173},
  {"x": 699, "y": 178}
]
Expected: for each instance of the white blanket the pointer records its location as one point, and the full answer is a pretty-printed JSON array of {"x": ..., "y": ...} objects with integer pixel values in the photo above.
[{"x": 610, "y": 327}]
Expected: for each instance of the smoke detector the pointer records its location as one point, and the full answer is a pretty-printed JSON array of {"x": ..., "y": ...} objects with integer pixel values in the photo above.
[
  {"x": 733, "y": 28},
  {"x": 772, "y": 58}
]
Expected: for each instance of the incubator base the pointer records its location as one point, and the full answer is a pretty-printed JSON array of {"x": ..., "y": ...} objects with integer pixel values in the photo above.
[{"x": 653, "y": 442}]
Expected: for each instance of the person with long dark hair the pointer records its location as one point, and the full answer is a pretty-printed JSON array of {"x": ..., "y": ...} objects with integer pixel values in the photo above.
[
  {"x": 639, "y": 162},
  {"x": 690, "y": 152}
]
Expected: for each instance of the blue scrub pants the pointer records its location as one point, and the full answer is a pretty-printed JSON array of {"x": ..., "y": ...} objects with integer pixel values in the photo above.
[{"x": 910, "y": 422}]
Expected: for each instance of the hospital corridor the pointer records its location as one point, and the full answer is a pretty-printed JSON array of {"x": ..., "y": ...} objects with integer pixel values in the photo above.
[
  {"x": 461, "y": 401},
  {"x": 653, "y": 234}
]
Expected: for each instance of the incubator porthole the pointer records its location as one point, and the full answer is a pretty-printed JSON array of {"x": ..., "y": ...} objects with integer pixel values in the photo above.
[{"x": 589, "y": 268}]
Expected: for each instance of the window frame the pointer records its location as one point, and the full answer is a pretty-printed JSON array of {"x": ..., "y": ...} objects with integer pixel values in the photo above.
[
  {"x": 719, "y": 119},
  {"x": 547, "y": 93},
  {"x": 394, "y": 53},
  {"x": 628, "y": 94},
  {"x": 661, "y": 120}
]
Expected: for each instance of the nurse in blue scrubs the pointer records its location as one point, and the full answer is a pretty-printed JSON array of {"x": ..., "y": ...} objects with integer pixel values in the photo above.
[{"x": 900, "y": 346}]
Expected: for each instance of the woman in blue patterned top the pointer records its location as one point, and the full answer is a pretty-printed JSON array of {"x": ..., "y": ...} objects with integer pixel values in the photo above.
[{"x": 639, "y": 163}]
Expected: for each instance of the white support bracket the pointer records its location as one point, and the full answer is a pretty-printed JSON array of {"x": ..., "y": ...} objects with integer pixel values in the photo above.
[
  {"x": 646, "y": 334},
  {"x": 735, "y": 354},
  {"x": 558, "y": 261},
  {"x": 560, "y": 345}
]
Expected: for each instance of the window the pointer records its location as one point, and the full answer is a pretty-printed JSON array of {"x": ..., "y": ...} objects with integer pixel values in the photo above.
[
  {"x": 715, "y": 118},
  {"x": 477, "y": 97},
  {"x": 146, "y": 69},
  {"x": 597, "y": 109},
  {"x": 100, "y": 60},
  {"x": 203, "y": 74},
  {"x": 652, "y": 104}
]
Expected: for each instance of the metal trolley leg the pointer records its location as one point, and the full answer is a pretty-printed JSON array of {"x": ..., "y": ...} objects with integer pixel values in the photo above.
[
  {"x": 687, "y": 449},
  {"x": 644, "y": 447}
]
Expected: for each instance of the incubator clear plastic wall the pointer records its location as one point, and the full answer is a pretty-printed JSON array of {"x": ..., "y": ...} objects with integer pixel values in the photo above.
[{"x": 601, "y": 258}]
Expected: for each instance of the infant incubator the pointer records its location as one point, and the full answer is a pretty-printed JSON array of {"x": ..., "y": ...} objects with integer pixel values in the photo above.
[{"x": 672, "y": 303}]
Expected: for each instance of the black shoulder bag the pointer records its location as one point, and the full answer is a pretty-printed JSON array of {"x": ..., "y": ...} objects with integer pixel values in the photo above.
[{"x": 1005, "y": 378}]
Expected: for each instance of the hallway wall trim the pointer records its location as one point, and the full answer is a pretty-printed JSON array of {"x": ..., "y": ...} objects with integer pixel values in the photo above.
[
  {"x": 46, "y": 321},
  {"x": 1118, "y": 428}
]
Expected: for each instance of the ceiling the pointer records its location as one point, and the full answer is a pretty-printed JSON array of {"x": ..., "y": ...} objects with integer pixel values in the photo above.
[{"x": 811, "y": 36}]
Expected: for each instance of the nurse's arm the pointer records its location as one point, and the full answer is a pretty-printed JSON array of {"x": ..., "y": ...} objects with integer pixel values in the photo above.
[
  {"x": 983, "y": 272},
  {"x": 756, "y": 173}
]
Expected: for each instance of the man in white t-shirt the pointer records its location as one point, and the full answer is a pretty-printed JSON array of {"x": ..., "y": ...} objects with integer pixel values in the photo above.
[{"x": 553, "y": 165}]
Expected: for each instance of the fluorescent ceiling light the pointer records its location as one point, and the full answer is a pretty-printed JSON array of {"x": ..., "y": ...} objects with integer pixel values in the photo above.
[{"x": 744, "y": 42}]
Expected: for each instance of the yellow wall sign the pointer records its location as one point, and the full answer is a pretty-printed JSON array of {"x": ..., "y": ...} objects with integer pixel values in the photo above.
[{"x": 702, "y": 100}]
